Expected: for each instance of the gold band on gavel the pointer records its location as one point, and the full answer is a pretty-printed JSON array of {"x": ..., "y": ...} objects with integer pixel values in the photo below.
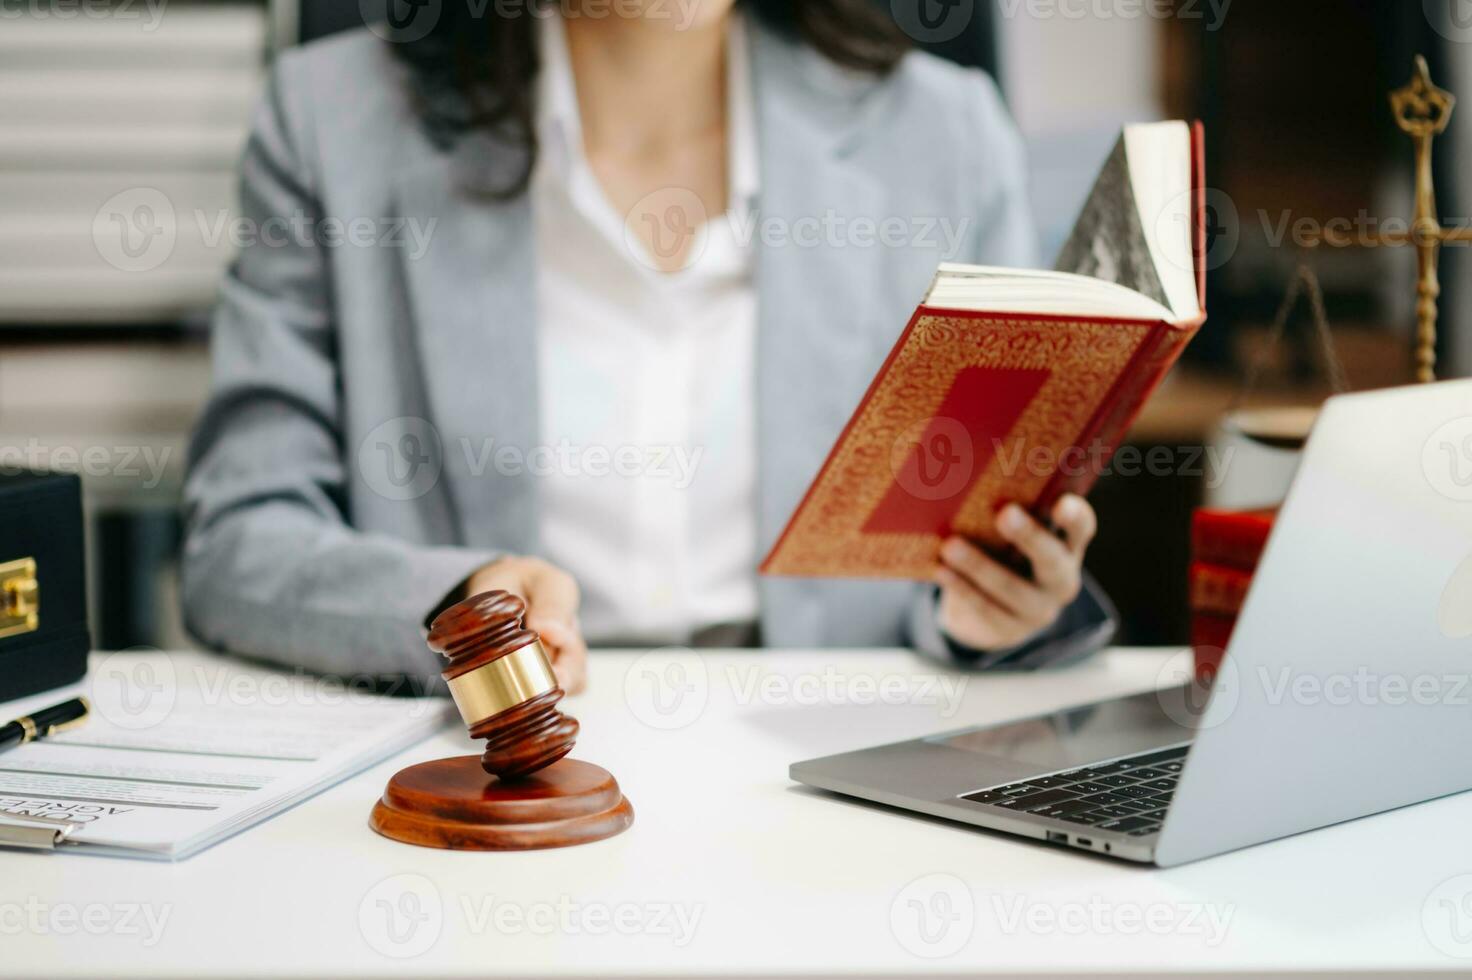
[{"x": 503, "y": 683}]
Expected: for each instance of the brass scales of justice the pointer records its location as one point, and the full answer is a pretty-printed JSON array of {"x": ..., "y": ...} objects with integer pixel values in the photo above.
[{"x": 1422, "y": 111}]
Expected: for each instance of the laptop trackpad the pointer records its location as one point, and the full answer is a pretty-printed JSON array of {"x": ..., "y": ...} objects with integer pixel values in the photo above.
[{"x": 1089, "y": 733}]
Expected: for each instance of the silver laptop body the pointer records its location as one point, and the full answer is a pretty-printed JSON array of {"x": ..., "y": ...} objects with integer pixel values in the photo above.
[{"x": 1346, "y": 689}]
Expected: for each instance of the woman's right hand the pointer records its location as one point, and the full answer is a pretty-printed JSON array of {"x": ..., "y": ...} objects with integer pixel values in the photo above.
[{"x": 551, "y": 598}]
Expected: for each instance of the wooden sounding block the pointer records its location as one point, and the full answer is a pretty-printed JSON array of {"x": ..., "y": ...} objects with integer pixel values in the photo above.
[{"x": 522, "y": 792}]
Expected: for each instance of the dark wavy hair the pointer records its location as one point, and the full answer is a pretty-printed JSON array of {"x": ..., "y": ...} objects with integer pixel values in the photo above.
[{"x": 473, "y": 67}]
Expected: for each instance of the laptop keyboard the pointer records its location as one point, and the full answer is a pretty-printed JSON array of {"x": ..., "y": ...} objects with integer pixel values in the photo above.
[{"x": 1128, "y": 796}]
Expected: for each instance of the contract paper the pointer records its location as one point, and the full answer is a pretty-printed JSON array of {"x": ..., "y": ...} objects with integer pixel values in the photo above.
[{"x": 183, "y": 750}]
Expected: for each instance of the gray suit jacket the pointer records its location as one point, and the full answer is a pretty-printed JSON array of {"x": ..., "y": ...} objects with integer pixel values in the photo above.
[{"x": 375, "y": 346}]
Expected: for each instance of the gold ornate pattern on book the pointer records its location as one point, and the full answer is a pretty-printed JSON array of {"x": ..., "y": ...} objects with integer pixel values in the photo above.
[{"x": 1085, "y": 358}]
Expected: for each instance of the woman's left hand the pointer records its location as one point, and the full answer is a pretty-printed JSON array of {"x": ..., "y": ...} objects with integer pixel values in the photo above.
[{"x": 987, "y": 606}]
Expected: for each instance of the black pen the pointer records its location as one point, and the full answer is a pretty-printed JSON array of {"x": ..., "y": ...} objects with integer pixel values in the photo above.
[{"x": 47, "y": 721}]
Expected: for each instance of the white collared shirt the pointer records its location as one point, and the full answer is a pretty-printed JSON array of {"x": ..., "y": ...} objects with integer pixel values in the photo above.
[{"x": 648, "y": 477}]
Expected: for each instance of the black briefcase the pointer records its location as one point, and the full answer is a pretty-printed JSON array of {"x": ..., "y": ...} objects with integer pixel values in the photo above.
[{"x": 43, "y": 583}]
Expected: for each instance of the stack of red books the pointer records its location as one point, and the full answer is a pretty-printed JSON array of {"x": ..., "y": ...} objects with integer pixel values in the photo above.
[{"x": 1226, "y": 546}]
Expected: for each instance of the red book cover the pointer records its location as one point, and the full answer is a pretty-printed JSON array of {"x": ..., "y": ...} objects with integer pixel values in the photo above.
[
  {"x": 1231, "y": 537},
  {"x": 1217, "y": 588},
  {"x": 972, "y": 410}
]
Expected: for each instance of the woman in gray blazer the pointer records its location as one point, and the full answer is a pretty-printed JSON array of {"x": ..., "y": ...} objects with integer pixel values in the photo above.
[{"x": 573, "y": 303}]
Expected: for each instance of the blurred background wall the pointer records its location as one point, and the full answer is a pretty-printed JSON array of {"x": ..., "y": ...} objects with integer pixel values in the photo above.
[{"x": 121, "y": 121}]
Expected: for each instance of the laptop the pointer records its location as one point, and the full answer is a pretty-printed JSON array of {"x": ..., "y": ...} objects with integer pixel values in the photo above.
[{"x": 1346, "y": 689}]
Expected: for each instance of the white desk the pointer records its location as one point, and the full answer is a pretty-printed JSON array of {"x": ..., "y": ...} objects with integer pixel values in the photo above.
[{"x": 771, "y": 879}]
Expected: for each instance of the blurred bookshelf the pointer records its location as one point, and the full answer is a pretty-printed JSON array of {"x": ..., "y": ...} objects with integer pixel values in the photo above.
[
  {"x": 121, "y": 127},
  {"x": 119, "y": 135}
]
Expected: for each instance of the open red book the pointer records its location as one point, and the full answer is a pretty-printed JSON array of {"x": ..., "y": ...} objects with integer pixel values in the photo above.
[{"x": 1015, "y": 384}]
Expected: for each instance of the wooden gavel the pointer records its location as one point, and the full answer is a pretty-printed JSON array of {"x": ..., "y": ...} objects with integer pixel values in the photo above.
[
  {"x": 502, "y": 682},
  {"x": 522, "y": 792}
]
